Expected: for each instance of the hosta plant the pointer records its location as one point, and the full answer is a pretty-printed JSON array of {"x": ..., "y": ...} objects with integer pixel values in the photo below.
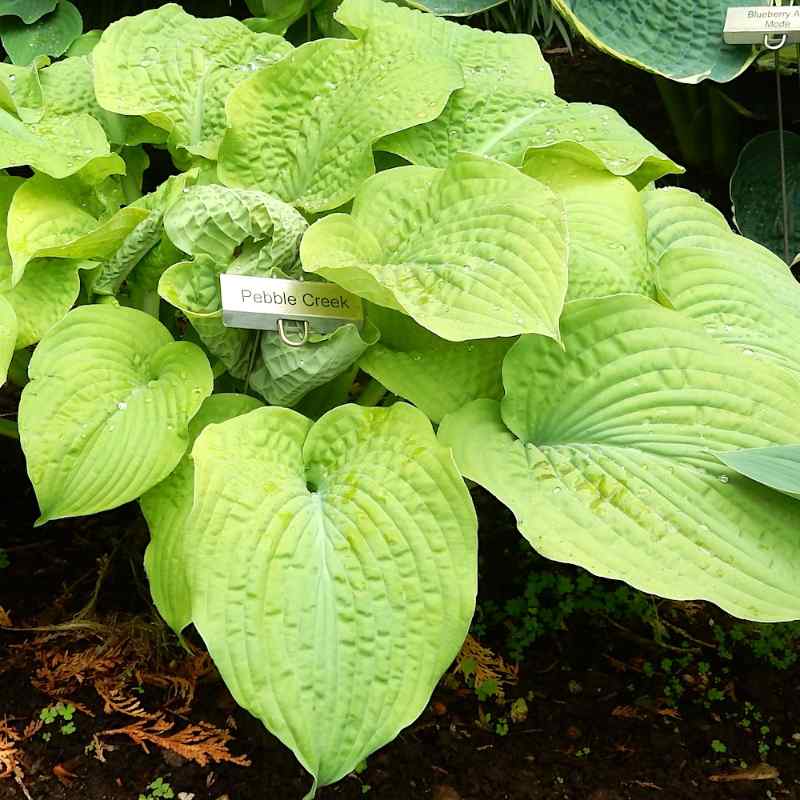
[{"x": 600, "y": 354}]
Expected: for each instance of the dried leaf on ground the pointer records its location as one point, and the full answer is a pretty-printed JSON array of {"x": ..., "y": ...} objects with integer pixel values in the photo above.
[
  {"x": 759, "y": 772},
  {"x": 200, "y": 742},
  {"x": 486, "y": 666}
]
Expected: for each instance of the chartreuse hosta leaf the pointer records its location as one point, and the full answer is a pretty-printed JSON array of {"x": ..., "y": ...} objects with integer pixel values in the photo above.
[
  {"x": 346, "y": 550},
  {"x": 215, "y": 221},
  {"x": 607, "y": 227},
  {"x": 105, "y": 415},
  {"x": 47, "y": 291},
  {"x": 176, "y": 71},
  {"x": 506, "y": 106},
  {"x": 680, "y": 216},
  {"x": 48, "y": 288},
  {"x": 56, "y": 145},
  {"x": 8, "y": 336},
  {"x": 21, "y": 91},
  {"x": 8, "y": 185},
  {"x": 605, "y": 453},
  {"x": 68, "y": 88},
  {"x": 411, "y": 362},
  {"x": 64, "y": 219},
  {"x": 319, "y": 110},
  {"x": 501, "y": 73},
  {"x": 475, "y": 251},
  {"x": 680, "y": 39},
  {"x": 287, "y": 374},
  {"x": 166, "y": 508},
  {"x": 742, "y": 294},
  {"x": 193, "y": 288}
]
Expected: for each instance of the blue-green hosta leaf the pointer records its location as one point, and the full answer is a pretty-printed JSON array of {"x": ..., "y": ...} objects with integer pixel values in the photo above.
[
  {"x": 438, "y": 376},
  {"x": 176, "y": 71},
  {"x": 68, "y": 88},
  {"x": 287, "y": 374},
  {"x": 606, "y": 224},
  {"x": 215, "y": 221},
  {"x": 318, "y": 112},
  {"x": 105, "y": 415},
  {"x": 346, "y": 552},
  {"x": 777, "y": 467},
  {"x": 84, "y": 44},
  {"x": 8, "y": 336},
  {"x": 49, "y": 35},
  {"x": 166, "y": 508},
  {"x": 678, "y": 216},
  {"x": 64, "y": 219},
  {"x": 603, "y": 452},
  {"x": 27, "y": 10},
  {"x": 757, "y": 206},
  {"x": 58, "y": 146},
  {"x": 680, "y": 39},
  {"x": 475, "y": 251},
  {"x": 455, "y": 8}
]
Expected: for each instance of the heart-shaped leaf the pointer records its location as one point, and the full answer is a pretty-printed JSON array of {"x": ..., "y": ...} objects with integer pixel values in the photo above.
[
  {"x": 105, "y": 414},
  {"x": 346, "y": 550}
]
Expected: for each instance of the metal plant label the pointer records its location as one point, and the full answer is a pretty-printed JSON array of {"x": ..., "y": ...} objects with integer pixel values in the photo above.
[
  {"x": 259, "y": 303},
  {"x": 750, "y": 24}
]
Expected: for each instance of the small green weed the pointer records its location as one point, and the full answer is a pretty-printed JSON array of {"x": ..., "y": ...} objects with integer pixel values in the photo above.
[
  {"x": 4, "y": 562},
  {"x": 60, "y": 711},
  {"x": 718, "y": 747},
  {"x": 159, "y": 789}
]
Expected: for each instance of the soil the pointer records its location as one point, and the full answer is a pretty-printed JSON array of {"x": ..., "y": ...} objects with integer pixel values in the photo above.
[{"x": 597, "y": 727}]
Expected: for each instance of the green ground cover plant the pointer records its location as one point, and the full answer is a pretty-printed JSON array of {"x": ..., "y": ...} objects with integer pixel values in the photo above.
[{"x": 600, "y": 354}]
